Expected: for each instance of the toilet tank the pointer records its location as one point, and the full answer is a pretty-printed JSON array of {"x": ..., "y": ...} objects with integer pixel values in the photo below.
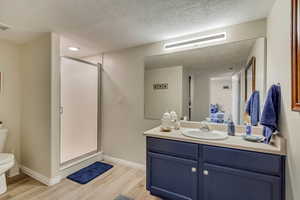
[{"x": 3, "y": 136}]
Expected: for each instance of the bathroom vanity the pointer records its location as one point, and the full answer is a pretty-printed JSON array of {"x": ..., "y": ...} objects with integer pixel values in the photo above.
[
  {"x": 210, "y": 85},
  {"x": 183, "y": 168}
]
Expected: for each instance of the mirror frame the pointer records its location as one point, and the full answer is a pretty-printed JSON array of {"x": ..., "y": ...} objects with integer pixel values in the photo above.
[
  {"x": 251, "y": 63},
  {"x": 295, "y": 56}
]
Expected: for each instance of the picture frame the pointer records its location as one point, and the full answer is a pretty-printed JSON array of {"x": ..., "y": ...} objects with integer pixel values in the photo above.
[{"x": 295, "y": 104}]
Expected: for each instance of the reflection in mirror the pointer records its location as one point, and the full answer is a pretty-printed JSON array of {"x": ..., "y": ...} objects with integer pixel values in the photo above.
[
  {"x": 205, "y": 84},
  {"x": 250, "y": 77}
]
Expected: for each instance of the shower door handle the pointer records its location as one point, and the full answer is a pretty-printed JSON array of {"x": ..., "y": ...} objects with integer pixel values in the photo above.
[{"x": 61, "y": 110}]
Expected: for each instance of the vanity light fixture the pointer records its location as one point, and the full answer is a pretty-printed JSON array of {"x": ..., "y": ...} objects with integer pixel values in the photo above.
[
  {"x": 194, "y": 42},
  {"x": 74, "y": 48}
]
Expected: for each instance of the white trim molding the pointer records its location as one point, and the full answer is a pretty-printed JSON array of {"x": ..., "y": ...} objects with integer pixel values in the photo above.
[
  {"x": 124, "y": 162},
  {"x": 71, "y": 169},
  {"x": 40, "y": 177},
  {"x": 64, "y": 172}
]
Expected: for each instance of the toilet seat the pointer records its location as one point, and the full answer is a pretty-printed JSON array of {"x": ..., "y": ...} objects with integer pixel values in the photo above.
[{"x": 6, "y": 158}]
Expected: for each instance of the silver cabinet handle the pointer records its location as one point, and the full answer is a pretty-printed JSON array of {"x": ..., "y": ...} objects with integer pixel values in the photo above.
[
  {"x": 194, "y": 169},
  {"x": 205, "y": 172}
]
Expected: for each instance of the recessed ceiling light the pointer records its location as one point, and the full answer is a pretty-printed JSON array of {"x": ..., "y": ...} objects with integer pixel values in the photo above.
[{"x": 74, "y": 48}]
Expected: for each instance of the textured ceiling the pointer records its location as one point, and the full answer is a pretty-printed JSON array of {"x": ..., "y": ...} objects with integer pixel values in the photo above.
[
  {"x": 220, "y": 56},
  {"x": 105, "y": 25}
]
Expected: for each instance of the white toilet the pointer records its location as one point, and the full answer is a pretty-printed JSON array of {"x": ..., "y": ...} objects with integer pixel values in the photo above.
[{"x": 7, "y": 160}]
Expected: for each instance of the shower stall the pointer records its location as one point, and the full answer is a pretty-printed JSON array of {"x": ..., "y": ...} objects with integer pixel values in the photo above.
[{"x": 79, "y": 109}]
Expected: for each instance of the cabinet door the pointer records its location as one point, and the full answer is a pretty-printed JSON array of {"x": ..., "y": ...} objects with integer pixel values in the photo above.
[
  {"x": 172, "y": 178},
  {"x": 233, "y": 184}
]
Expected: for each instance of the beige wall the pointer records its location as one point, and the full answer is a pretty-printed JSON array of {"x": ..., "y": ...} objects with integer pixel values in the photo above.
[
  {"x": 55, "y": 104},
  {"x": 279, "y": 70},
  {"x": 259, "y": 52},
  {"x": 123, "y": 99},
  {"x": 35, "y": 137},
  {"x": 10, "y": 96},
  {"x": 159, "y": 101},
  {"x": 123, "y": 94}
]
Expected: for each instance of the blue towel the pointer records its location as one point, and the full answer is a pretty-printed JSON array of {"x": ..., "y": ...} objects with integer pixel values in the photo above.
[
  {"x": 253, "y": 108},
  {"x": 270, "y": 114}
]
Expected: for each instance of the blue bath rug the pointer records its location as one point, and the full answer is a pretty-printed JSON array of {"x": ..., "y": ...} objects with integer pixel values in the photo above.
[
  {"x": 121, "y": 197},
  {"x": 90, "y": 172}
]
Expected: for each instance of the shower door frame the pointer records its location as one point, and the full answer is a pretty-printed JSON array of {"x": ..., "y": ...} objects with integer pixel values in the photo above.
[{"x": 85, "y": 156}]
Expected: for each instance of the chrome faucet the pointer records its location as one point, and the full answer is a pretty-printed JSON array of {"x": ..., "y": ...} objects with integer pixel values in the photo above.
[{"x": 204, "y": 127}]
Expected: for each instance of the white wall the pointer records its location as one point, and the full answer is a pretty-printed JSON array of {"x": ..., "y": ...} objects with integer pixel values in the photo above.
[
  {"x": 201, "y": 94},
  {"x": 201, "y": 91},
  {"x": 123, "y": 94},
  {"x": 10, "y": 96},
  {"x": 219, "y": 95},
  {"x": 185, "y": 92},
  {"x": 35, "y": 125},
  {"x": 236, "y": 98},
  {"x": 161, "y": 100},
  {"x": 279, "y": 70}
]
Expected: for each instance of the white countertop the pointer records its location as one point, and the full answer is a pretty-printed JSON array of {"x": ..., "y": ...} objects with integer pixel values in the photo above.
[{"x": 277, "y": 145}]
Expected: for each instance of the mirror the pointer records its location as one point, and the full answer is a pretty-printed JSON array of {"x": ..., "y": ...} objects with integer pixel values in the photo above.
[{"x": 196, "y": 82}]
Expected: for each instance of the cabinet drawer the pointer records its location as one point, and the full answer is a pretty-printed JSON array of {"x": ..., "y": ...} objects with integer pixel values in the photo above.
[
  {"x": 252, "y": 161},
  {"x": 174, "y": 148}
]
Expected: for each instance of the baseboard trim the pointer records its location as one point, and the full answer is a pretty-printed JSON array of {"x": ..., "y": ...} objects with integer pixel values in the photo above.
[
  {"x": 40, "y": 177},
  {"x": 52, "y": 181},
  {"x": 64, "y": 172},
  {"x": 124, "y": 162}
]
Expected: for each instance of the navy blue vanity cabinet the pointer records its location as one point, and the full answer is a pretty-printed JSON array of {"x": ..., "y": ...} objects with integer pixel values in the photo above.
[
  {"x": 188, "y": 171},
  {"x": 173, "y": 178},
  {"x": 237, "y": 174},
  {"x": 234, "y": 184},
  {"x": 172, "y": 169}
]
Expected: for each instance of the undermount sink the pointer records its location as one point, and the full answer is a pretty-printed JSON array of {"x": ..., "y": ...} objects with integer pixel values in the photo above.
[{"x": 206, "y": 135}]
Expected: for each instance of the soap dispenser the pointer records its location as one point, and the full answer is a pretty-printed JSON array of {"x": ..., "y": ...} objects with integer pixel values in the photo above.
[
  {"x": 166, "y": 122},
  {"x": 230, "y": 126}
]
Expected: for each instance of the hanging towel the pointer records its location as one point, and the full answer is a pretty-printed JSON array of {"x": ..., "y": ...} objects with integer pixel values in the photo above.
[
  {"x": 270, "y": 114},
  {"x": 253, "y": 108}
]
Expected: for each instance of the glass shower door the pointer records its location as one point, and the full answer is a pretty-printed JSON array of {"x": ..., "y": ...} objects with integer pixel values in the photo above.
[{"x": 79, "y": 109}]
